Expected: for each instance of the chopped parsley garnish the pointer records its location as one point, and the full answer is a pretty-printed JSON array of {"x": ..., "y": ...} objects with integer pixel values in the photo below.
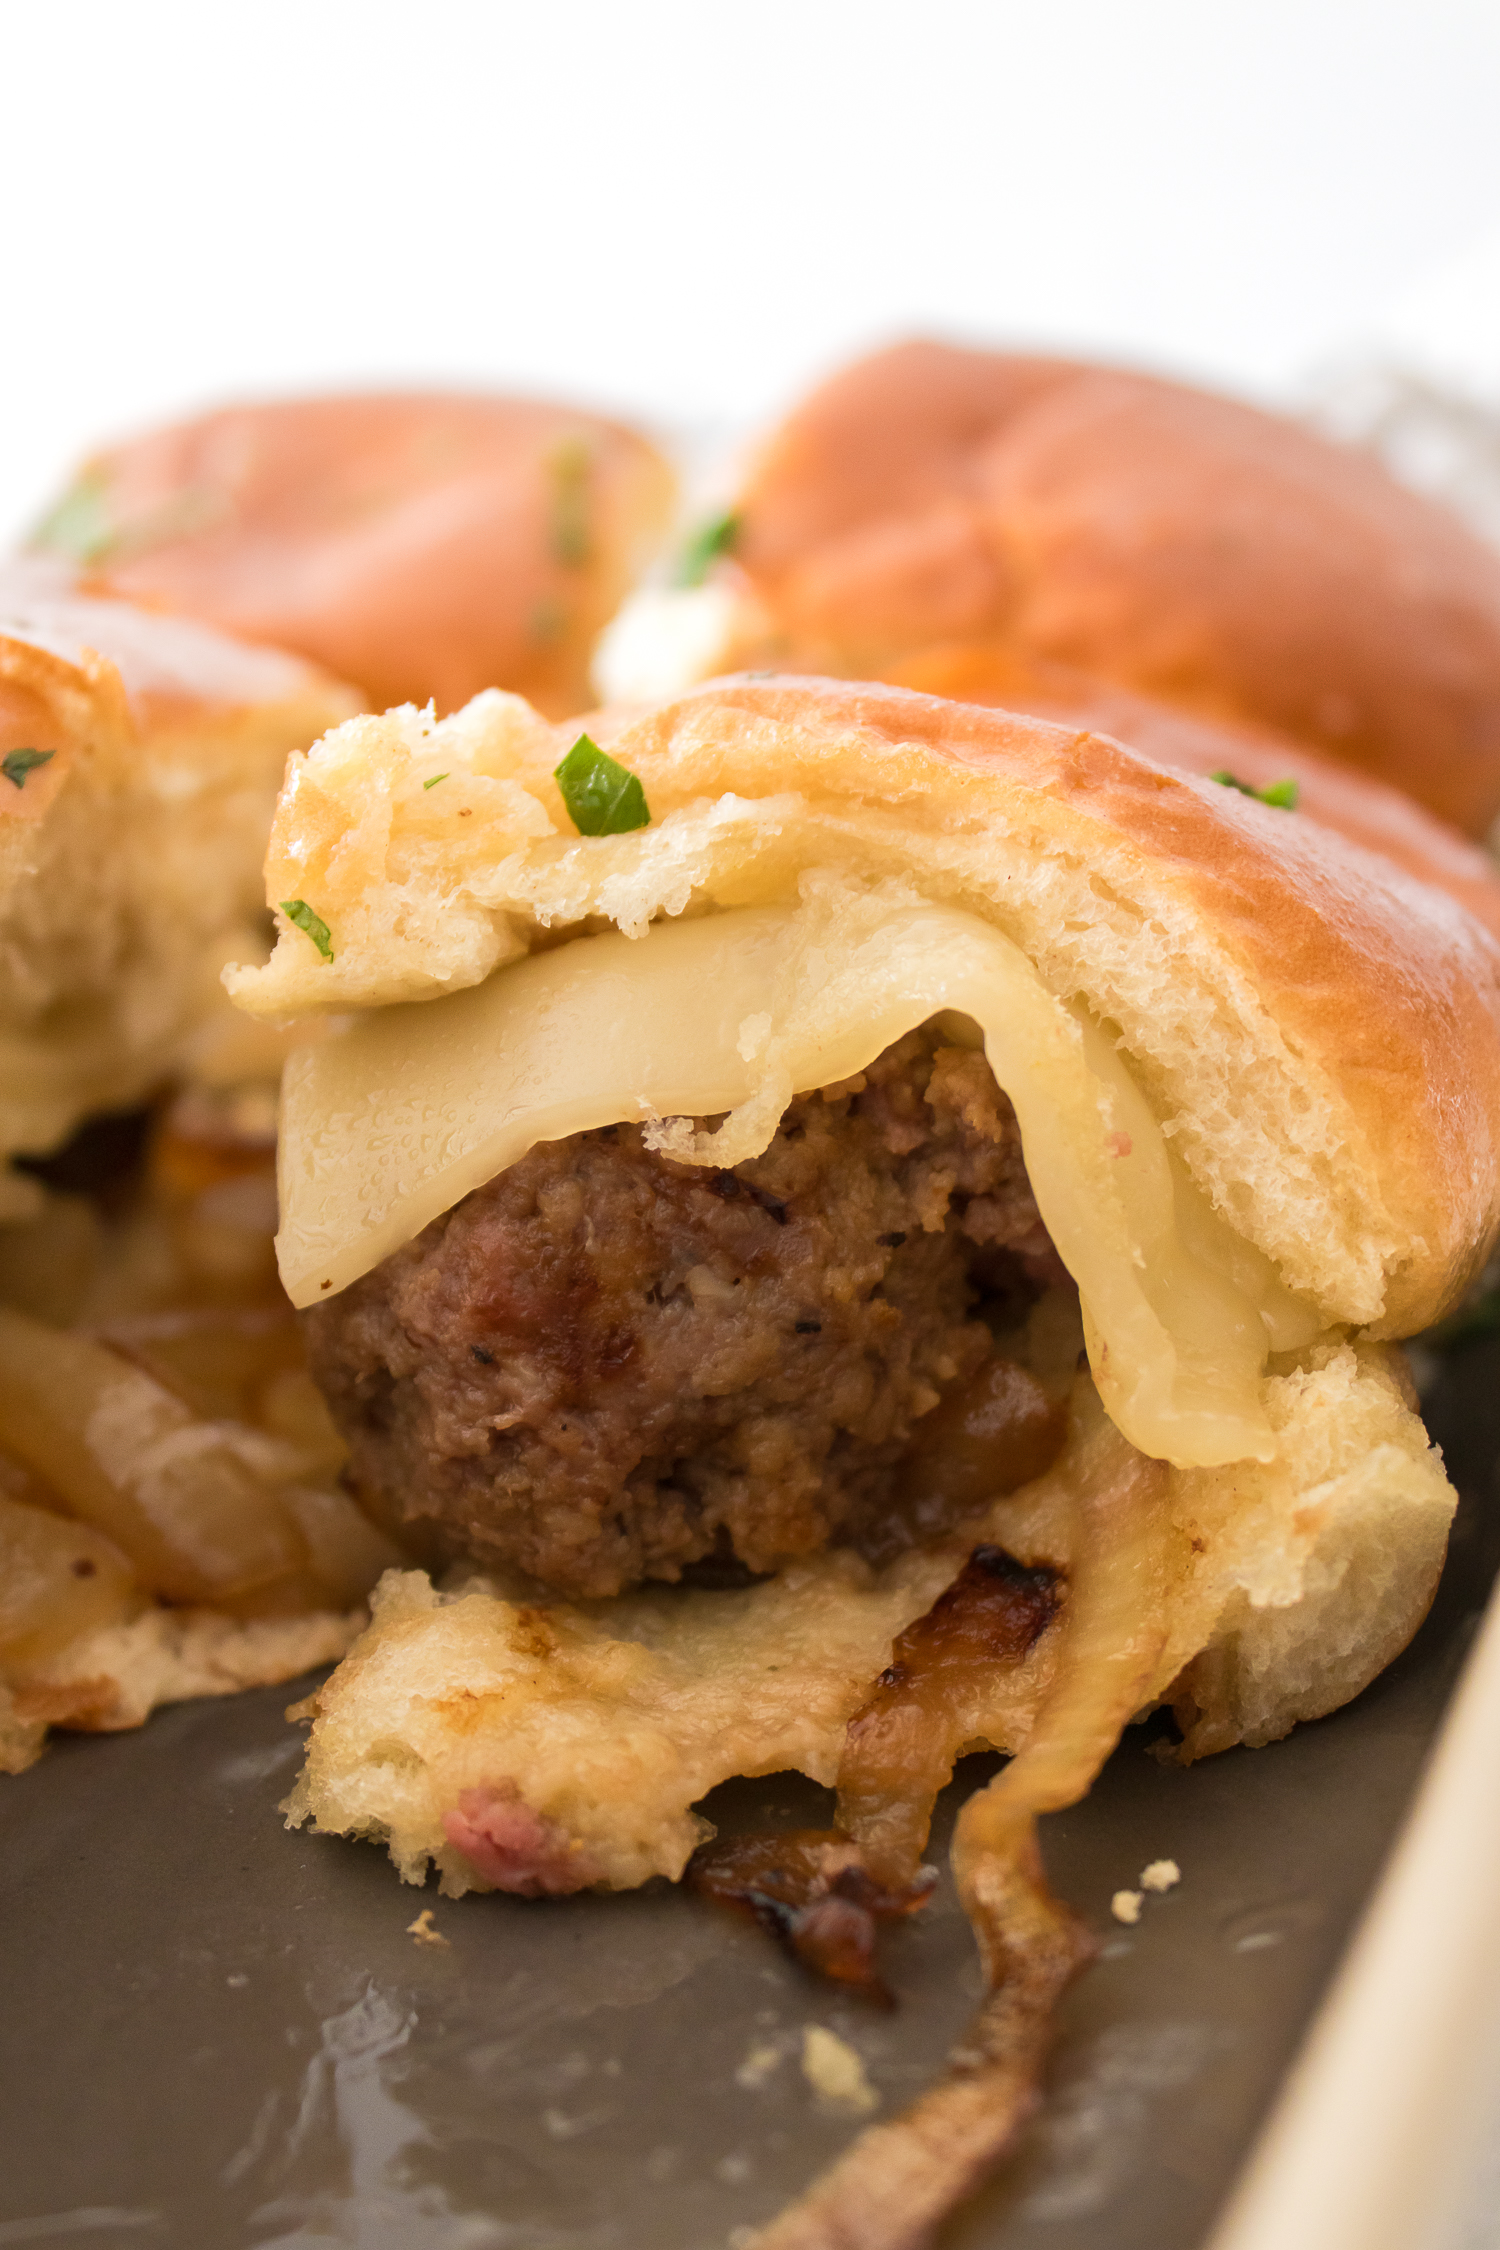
[
  {"x": 436, "y": 778},
  {"x": 17, "y": 764},
  {"x": 1282, "y": 794},
  {"x": 602, "y": 798},
  {"x": 297, "y": 910},
  {"x": 704, "y": 547},
  {"x": 85, "y": 527},
  {"x": 81, "y": 525},
  {"x": 570, "y": 501}
]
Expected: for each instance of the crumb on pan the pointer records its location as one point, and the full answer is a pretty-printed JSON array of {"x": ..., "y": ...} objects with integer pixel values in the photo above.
[
  {"x": 761, "y": 2059},
  {"x": 835, "y": 2072},
  {"x": 424, "y": 1930},
  {"x": 1126, "y": 1906},
  {"x": 1161, "y": 1875}
]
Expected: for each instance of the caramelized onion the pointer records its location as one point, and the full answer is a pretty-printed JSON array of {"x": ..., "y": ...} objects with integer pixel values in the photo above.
[
  {"x": 823, "y": 1892},
  {"x": 218, "y": 1359},
  {"x": 932, "y": 1699},
  {"x": 989, "y": 1436},
  {"x": 810, "y": 1889},
  {"x": 58, "y": 1580},
  {"x": 892, "y": 2187}
]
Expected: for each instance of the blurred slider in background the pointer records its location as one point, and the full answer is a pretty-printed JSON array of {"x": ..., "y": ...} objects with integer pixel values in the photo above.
[
  {"x": 425, "y": 546},
  {"x": 1043, "y": 528},
  {"x": 194, "y": 608}
]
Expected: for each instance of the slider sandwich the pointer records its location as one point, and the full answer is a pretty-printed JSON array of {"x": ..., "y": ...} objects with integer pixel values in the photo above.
[
  {"x": 140, "y": 758},
  {"x": 1223, "y": 561},
  {"x": 170, "y": 1521},
  {"x": 848, "y": 1227},
  {"x": 421, "y": 544}
]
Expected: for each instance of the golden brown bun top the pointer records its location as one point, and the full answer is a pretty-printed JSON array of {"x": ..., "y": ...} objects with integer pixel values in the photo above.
[
  {"x": 172, "y": 669},
  {"x": 1355, "y": 805},
  {"x": 140, "y": 757},
  {"x": 1319, "y": 1032},
  {"x": 1378, "y": 987},
  {"x": 75, "y": 669},
  {"x": 422, "y": 545},
  {"x": 1207, "y": 554}
]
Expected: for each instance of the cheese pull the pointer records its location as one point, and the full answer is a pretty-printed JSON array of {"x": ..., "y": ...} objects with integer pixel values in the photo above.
[{"x": 393, "y": 1121}]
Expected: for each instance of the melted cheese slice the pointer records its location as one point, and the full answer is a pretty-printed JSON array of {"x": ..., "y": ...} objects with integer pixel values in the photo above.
[{"x": 389, "y": 1124}]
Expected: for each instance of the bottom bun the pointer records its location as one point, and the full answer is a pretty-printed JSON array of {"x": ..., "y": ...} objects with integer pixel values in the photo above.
[{"x": 544, "y": 1747}]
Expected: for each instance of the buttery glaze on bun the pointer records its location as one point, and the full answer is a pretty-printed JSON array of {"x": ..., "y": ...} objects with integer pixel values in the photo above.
[
  {"x": 1318, "y": 1030},
  {"x": 141, "y": 759},
  {"x": 1355, "y": 805},
  {"x": 735, "y": 1187},
  {"x": 1188, "y": 546},
  {"x": 421, "y": 544},
  {"x": 1300, "y": 1139}
]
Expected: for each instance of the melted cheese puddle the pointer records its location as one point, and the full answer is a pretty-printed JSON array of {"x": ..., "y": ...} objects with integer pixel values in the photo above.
[{"x": 389, "y": 1124}]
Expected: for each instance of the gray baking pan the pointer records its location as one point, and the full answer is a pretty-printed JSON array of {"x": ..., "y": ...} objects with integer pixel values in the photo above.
[{"x": 217, "y": 2033}]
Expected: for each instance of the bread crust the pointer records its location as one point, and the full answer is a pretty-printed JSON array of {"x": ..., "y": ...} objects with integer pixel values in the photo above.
[
  {"x": 1318, "y": 1031},
  {"x": 1380, "y": 987},
  {"x": 172, "y": 671},
  {"x": 1355, "y": 805},
  {"x": 129, "y": 859},
  {"x": 1216, "y": 557},
  {"x": 422, "y": 544}
]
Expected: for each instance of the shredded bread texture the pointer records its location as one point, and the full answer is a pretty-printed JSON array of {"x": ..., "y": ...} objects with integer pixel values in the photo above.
[
  {"x": 129, "y": 860},
  {"x": 1294, "y": 1584},
  {"x": 1214, "y": 945},
  {"x": 110, "y": 1681}
]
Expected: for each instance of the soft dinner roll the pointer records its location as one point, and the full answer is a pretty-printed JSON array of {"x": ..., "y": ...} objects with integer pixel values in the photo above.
[
  {"x": 738, "y": 1135},
  {"x": 1319, "y": 1032},
  {"x": 639, "y": 1210},
  {"x": 141, "y": 758},
  {"x": 1185, "y": 545},
  {"x": 422, "y": 544},
  {"x": 737, "y": 1132}
]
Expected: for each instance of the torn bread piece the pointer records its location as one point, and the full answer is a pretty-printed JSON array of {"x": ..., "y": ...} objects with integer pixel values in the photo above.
[
  {"x": 140, "y": 758},
  {"x": 748, "y": 1109}
]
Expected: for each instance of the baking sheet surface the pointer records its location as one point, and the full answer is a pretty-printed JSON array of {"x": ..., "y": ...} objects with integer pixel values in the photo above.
[{"x": 216, "y": 2033}]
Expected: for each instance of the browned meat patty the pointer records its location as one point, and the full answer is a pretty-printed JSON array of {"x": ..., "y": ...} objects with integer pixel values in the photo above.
[{"x": 604, "y": 1366}]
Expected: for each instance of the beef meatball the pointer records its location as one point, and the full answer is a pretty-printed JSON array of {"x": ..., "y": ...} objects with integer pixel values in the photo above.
[{"x": 604, "y": 1365}]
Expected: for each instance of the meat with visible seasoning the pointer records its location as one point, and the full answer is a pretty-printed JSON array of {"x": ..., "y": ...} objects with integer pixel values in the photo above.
[{"x": 604, "y": 1365}]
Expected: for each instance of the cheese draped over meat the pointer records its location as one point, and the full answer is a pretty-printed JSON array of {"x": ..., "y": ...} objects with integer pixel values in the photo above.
[{"x": 391, "y": 1122}]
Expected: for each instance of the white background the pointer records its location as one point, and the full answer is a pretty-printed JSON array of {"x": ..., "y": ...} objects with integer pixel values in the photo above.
[{"x": 688, "y": 208}]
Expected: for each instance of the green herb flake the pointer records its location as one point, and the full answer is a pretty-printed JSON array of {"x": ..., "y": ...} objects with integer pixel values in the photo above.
[
  {"x": 81, "y": 525},
  {"x": 1282, "y": 794},
  {"x": 570, "y": 463},
  {"x": 297, "y": 910},
  {"x": 436, "y": 778},
  {"x": 704, "y": 547},
  {"x": 17, "y": 764},
  {"x": 602, "y": 798}
]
